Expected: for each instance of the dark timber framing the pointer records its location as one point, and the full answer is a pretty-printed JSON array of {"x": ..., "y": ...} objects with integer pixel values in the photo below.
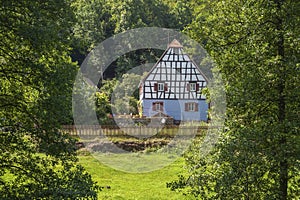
[{"x": 176, "y": 70}]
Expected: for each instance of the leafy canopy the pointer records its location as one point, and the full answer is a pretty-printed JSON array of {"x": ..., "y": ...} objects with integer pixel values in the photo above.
[
  {"x": 255, "y": 45},
  {"x": 37, "y": 160}
]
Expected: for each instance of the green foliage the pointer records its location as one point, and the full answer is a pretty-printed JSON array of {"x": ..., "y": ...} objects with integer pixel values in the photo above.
[
  {"x": 126, "y": 94},
  {"x": 93, "y": 23},
  {"x": 131, "y": 14},
  {"x": 103, "y": 102},
  {"x": 255, "y": 46},
  {"x": 35, "y": 99},
  {"x": 28, "y": 175},
  {"x": 182, "y": 10},
  {"x": 98, "y": 20},
  {"x": 103, "y": 108}
]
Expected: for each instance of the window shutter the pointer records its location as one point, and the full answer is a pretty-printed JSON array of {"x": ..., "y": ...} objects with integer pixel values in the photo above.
[
  {"x": 196, "y": 107},
  {"x": 161, "y": 106},
  {"x": 166, "y": 87},
  {"x": 188, "y": 87},
  {"x": 153, "y": 107},
  {"x": 155, "y": 86},
  {"x": 186, "y": 107},
  {"x": 197, "y": 87}
]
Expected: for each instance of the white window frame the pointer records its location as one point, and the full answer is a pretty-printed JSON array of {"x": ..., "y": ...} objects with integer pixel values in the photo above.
[
  {"x": 160, "y": 87},
  {"x": 158, "y": 107},
  {"x": 193, "y": 87},
  {"x": 191, "y": 107}
]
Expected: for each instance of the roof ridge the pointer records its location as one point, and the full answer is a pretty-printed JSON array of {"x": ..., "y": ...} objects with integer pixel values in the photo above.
[{"x": 175, "y": 44}]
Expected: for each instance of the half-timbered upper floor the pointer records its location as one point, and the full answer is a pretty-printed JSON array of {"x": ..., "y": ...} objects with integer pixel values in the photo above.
[{"x": 174, "y": 76}]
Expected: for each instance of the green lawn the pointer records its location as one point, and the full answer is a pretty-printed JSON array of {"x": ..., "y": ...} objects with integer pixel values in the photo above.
[{"x": 123, "y": 185}]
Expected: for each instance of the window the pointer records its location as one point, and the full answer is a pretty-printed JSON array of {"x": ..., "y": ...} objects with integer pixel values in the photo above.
[
  {"x": 191, "y": 107},
  {"x": 158, "y": 106},
  {"x": 193, "y": 87},
  {"x": 160, "y": 87}
]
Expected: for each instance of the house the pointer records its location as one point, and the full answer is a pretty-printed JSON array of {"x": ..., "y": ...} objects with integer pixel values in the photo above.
[{"x": 173, "y": 87}]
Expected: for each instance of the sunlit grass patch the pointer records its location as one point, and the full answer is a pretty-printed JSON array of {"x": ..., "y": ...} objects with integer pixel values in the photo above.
[{"x": 122, "y": 185}]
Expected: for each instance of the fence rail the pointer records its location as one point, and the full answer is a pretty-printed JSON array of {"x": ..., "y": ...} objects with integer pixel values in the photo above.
[{"x": 97, "y": 130}]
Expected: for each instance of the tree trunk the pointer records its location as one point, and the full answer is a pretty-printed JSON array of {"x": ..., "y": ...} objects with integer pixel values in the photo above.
[{"x": 283, "y": 165}]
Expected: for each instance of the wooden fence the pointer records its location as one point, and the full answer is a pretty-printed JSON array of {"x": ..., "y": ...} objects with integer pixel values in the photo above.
[{"x": 143, "y": 131}]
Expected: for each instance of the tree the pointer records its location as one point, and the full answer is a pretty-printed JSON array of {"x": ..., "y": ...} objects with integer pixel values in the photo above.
[
  {"x": 103, "y": 101},
  {"x": 182, "y": 10},
  {"x": 37, "y": 160},
  {"x": 93, "y": 24},
  {"x": 137, "y": 14},
  {"x": 98, "y": 20},
  {"x": 255, "y": 45},
  {"x": 126, "y": 94}
]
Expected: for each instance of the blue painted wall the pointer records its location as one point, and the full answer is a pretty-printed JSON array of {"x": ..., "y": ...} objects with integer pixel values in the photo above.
[{"x": 176, "y": 109}]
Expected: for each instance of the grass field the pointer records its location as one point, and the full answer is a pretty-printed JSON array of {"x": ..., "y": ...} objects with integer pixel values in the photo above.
[
  {"x": 129, "y": 186},
  {"x": 128, "y": 183}
]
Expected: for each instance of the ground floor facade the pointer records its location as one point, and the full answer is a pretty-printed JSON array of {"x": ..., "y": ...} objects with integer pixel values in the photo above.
[{"x": 180, "y": 110}]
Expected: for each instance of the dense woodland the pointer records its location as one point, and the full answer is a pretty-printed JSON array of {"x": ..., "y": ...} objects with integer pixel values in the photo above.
[{"x": 255, "y": 45}]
